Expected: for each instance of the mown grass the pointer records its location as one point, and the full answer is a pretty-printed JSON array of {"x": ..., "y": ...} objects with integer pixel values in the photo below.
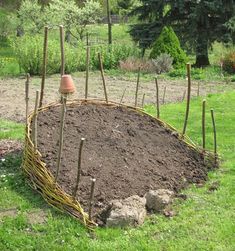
[
  {"x": 203, "y": 222},
  {"x": 11, "y": 130}
]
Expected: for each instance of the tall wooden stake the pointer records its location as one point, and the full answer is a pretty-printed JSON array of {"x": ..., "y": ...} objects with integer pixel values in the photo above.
[
  {"x": 102, "y": 75},
  {"x": 44, "y": 65},
  {"x": 204, "y": 124},
  {"x": 143, "y": 99},
  {"x": 62, "y": 69},
  {"x": 188, "y": 98},
  {"x": 27, "y": 96},
  {"x": 35, "y": 122},
  {"x": 183, "y": 97},
  {"x": 122, "y": 96},
  {"x": 91, "y": 197},
  {"x": 164, "y": 95},
  {"x": 157, "y": 98},
  {"x": 109, "y": 23},
  {"x": 79, "y": 167},
  {"x": 198, "y": 89},
  {"x": 63, "y": 112},
  {"x": 137, "y": 88},
  {"x": 87, "y": 70},
  {"x": 214, "y": 131}
]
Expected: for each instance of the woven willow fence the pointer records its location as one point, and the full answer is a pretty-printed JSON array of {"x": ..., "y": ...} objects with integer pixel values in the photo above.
[{"x": 44, "y": 182}]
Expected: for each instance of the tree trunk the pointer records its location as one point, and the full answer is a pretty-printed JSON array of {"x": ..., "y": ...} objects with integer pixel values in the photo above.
[{"x": 202, "y": 58}]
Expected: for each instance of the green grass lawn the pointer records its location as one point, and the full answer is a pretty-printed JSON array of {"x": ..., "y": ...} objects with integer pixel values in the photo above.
[{"x": 205, "y": 221}]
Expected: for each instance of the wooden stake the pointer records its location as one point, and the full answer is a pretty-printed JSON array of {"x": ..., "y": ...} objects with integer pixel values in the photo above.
[
  {"x": 143, "y": 100},
  {"x": 91, "y": 197},
  {"x": 44, "y": 65},
  {"x": 27, "y": 96},
  {"x": 103, "y": 78},
  {"x": 109, "y": 23},
  {"x": 79, "y": 167},
  {"x": 87, "y": 70},
  {"x": 137, "y": 88},
  {"x": 35, "y": 122},
  {"x": 63, "y": 113},
  {"x": 198, "y": 89},
  {"x": 164, "y": 95},
  {"x": 203, "y": 125},
  {"x": 157, "y": 98},
  {"x": 122, "y": 96},
  {"x": 183, "y": 95},
  {"x": 214, "y": 131},
  {"x": 188, "y": 98},
  {"x": 62, "y": 69}
]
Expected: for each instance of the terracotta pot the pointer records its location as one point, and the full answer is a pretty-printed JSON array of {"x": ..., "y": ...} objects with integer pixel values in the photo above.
[{"x": 66, "y": 84}]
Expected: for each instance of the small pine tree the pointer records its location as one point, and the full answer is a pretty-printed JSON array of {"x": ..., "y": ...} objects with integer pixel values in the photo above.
[{"x": 169, "y": 43}]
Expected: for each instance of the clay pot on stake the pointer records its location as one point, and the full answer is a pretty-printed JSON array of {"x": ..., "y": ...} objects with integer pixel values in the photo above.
[{"x": 66, "y": 86}]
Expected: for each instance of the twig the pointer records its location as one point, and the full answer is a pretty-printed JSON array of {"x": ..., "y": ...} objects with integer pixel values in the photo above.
[
  {"x": 27, "y": 96},
  {"x": 188, "y": 98},
  {"x": 62, "y": 69},
  {"x": 214, "y": 131},
  {"x": 79, "y": 167},
  {"x": 137, "y": 88},
  {"x": 44, "y": 65},
  {"x": 35, "y": 122},
  {"x": 87, "y": 70},
  {"x": 63, "y": 113},
  {"x": 143, "y": 99},
  {"x": 122, "y": 96},
  {"x": 157, "y": 98},
  {"x": 103, "y": 78},
  {"x": 164, "y": 95},
  {"x": 91, "y": 197},
  {"x": 203, "y": 125}
]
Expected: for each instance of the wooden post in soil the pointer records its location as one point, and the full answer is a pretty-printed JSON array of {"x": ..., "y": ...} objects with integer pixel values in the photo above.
[
  {"x": 79, "y": 167},
  {"x": 62, "y": 69},
  {"x": 188, "y": 99},
  {"x": 157, "y": 98},
  {"x": 204, "y": 125},
  {"x": 91, "y": 197},
  {"x": 35, "y": 123},
  {"x": 137, "y": 88},
  {"x": 87, "y": 66},
  {"x": 27, "y": 96},
  {"x": 102, "y": 75},
  {"x": 143, "y": 99},
  {"x": 198, "y": 89},
  {"x": 164, "y": 95},
  {"x": 44, "y": 65},
  {"x": 214, "y": 132},
  {"x": 62, "y": 120},
  {"x": 122, "y": 96}
]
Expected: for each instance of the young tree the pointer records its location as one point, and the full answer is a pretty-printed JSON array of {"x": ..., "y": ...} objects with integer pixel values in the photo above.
[{"x": 199, "y": 22}]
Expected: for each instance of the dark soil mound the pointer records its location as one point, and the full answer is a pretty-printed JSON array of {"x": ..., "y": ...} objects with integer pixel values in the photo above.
[{"x": 127, "y": 152}]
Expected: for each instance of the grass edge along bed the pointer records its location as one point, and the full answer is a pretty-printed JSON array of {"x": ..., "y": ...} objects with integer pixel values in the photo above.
[{"x": 44, "y": 182}]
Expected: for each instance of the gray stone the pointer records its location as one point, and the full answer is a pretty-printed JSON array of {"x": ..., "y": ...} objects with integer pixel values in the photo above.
[
  {"x": 128, "y": 212},
  {"x": 157, "y": 200}
]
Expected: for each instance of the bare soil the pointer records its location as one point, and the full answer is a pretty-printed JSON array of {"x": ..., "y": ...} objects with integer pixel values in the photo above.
[
  {"x": 12, "y": 91},
  {"x": 127, "y": 152}
]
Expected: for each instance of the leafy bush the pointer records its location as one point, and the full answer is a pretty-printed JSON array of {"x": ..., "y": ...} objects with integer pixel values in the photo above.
[
  {"x": 163, "y": 63},
  {"x": 196, "y": 73},
  {"x": 169, "y": 43},
  {"x": 29, "y": 52},
  {"x": 228, "y": 62},
  {"x": 133, "y": 64}
]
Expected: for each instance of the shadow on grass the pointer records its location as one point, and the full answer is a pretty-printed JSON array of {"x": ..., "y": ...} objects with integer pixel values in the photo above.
[{"x": 10, "y": 167}]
